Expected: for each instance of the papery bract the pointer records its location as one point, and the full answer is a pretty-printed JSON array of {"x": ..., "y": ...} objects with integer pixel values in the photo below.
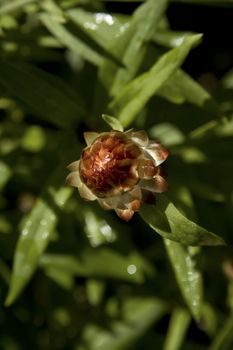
[{"x": 116, "y": 168}]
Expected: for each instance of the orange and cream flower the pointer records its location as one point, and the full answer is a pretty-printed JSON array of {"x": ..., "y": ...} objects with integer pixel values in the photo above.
[{"x": 116, "y": 168}]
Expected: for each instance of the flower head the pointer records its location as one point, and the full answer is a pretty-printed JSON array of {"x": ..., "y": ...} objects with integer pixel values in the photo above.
[{"x": 116, "y": 167}]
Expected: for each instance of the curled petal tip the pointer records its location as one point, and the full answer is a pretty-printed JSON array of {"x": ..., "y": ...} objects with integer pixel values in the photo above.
[
  {"x": 140, "y": 137},
  {"x": 73, "y": 179},
  {"x": 124, "y": 214},
  {"x": 147, "y": 169},
  {"x": 157, "y": 185},
  {"x": 157, "y": 152},
  {"x": 90, "y": 136},
  {"x": 85, "y": 193},
  {"x": 74, "y": 166},
  {"x": 134, "y": 205}
]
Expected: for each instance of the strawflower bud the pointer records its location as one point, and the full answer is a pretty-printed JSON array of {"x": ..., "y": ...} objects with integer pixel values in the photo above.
[{"x": 116, "y": 168}]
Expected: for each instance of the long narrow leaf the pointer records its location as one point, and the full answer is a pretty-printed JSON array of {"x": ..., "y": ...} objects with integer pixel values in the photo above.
[
  {"x": 103, "y": 28},
  {"x": 35, "y": 235},
  {"x": 69, "y": 39},
  {"x": 180, "y": 87},
  {"x": 37, "y": 228},
  {"x": 131, "y": 45},
  {"x": 131, "y": 100},
  {"x": 92, "y": 263},
  {"x": 14, "y": 6},
  {"x": 166, "y": 220},
  {"x": 178, "y": 325},
  {"x": 188, "y": 277}
]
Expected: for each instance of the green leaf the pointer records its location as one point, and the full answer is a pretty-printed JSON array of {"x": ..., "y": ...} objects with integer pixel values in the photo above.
[
  {"x": 180, "y": 88},
  {"x": 14, "y": 6},
  {"x": 92, "y": 263},
  {"x": 62, "y": 278},
  {"x": 170, "y": 38},
  {"x": 103, "y": 28},
  {"x": 166, "y": 220},
  {"x": 51, "y": 7},
  {"x": 138, "y": 314},
  {"x": 35, "y": 234},
  {"x": 34, "y": 139},
  {"x": 178, "y": 325},
  {"x": 224, "y": 338},
  {"x": 43, "y": 94},
  {"x": 69, "y": 39},
  {"x": 112, "y": 122},
  {"x": 134, "y": 96},
  {"x": 5, "y": 174},
  {"x": 131, "y": 45},
  {"x": 188, "y": 277},
  {"x": 95, "y": 291}
]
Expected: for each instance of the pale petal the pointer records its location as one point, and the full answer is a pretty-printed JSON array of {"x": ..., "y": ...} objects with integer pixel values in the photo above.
[
  {"x": 140, "y": 137},
  {"x": 127, "y": 200},
  {"x": 157, "y": 184},
  {"x": 147, "y": 168},
  {"x": 103, "y": 203},
  {"x": 157, "y": 152},
  {"x": 114, "y": 202},
  {"x": 136, "y": 192},
  {"x": 125, "y": 214},
  {"x": 85, "y": 193},
  {"x": 130, "y": 200},
  {"x": 73, "y": 179},
  {"x": 128, "y": 132},
  {"x": 134, "y": 205},
  {"x": 74, "y": 166},
  {"x": 90, "y": 136}
]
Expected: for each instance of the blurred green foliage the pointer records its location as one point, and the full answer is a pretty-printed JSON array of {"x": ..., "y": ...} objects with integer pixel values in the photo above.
[{"x": 73, "y": 276}]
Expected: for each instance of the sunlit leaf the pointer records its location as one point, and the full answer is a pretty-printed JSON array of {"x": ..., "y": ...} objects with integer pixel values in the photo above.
[
  {"x": 166, "y": 220},
  {"x": 131, "y": 100},
  {"x": 14, "y": 6},
  {"x": 102, "y": 27},
  {"x": 112, "y": 122},
  {"x": 36, "y": 232},
  {"x": 170, "y": 38},
  {"x": 131, "y": 45},
  {"x": 69, "y": 39},
  {"x": 188, "y": 277},
  {"x": 180, "y": 88}
]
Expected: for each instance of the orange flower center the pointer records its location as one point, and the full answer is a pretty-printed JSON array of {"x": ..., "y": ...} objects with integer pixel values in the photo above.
[{"x": 109, "y": 166}]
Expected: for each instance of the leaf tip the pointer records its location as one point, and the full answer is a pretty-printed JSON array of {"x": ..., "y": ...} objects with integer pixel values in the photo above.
[{"x": 113, "y": 122}]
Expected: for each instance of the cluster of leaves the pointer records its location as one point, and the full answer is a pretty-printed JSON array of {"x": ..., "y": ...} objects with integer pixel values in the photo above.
[{"x": 71, "y": 275}]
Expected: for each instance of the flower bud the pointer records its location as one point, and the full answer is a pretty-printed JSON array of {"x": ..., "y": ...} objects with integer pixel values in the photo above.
[{"x": 116, "y": 167}]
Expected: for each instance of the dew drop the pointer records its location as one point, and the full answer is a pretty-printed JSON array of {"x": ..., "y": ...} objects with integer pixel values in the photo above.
[{"x": 131, "y": 269}]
